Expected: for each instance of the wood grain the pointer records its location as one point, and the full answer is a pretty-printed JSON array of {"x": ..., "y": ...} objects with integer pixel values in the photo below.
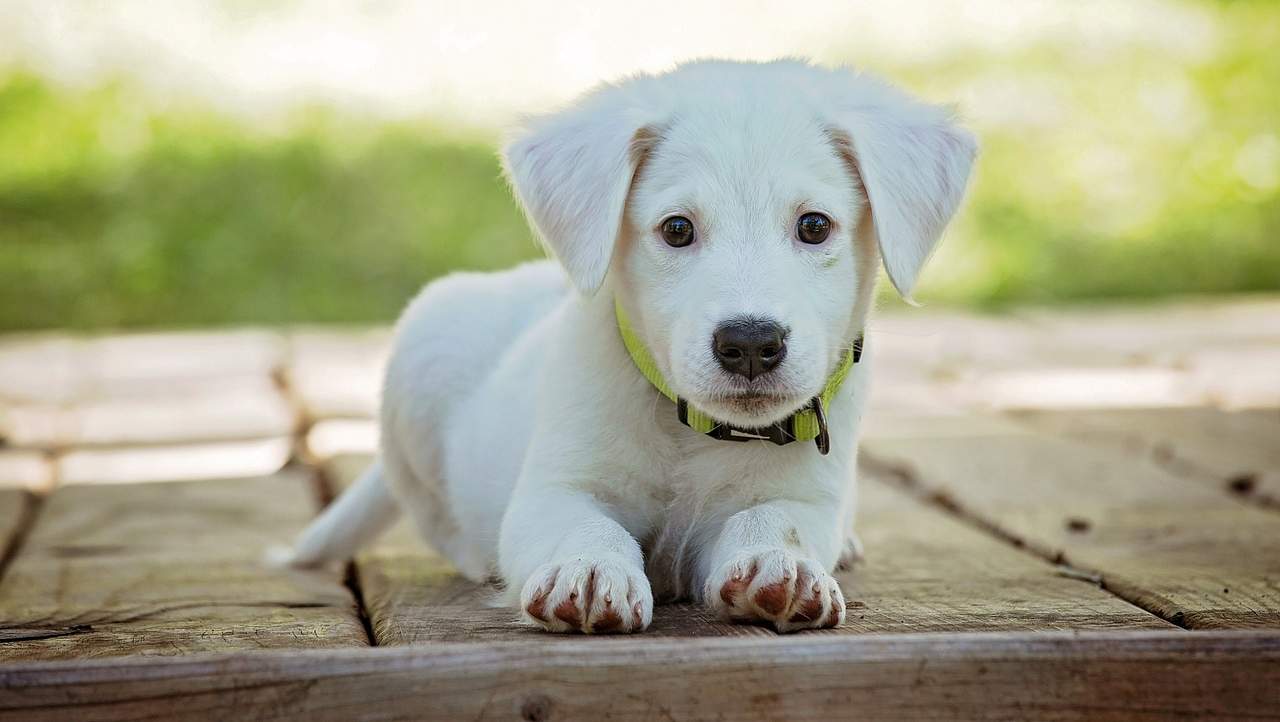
[
  {"x": 169, "y": 569},
  {"x": 1172, "y": 545},
  {"x": 1051, "y": 676},
  {"x": 1236, "y": 452},
  {"x": 925, "y": 572}
]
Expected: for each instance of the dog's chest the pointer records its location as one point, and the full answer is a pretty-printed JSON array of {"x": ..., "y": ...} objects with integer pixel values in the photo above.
[{"x": 703, "y": 483}]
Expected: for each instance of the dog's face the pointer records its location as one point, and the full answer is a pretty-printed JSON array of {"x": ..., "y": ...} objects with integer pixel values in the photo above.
[
  {"x": 740, "y": 209},
  {"x": 740, "y": 259}
]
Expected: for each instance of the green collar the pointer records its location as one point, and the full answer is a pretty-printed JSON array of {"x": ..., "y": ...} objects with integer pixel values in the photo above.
[{"x": 809, "y": 423}]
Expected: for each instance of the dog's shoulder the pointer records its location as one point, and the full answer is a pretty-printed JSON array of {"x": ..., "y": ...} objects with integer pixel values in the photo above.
[{"x": 459, "y": 326}]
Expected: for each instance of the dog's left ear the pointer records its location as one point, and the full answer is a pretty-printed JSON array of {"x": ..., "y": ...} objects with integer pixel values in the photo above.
[
  {"x": 572, "y": 171},
  {"x": 913, "y": 162}
]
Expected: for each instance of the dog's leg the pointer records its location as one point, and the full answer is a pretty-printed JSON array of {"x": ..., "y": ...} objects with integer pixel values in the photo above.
[
  {"x": 579, "y": 569},
  {"x": 354, "y": 519},
  {"x": 772, "y": 564}
]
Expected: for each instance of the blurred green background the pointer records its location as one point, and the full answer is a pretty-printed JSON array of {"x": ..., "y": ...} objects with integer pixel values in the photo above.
[{"x": 1142, "y": 171}]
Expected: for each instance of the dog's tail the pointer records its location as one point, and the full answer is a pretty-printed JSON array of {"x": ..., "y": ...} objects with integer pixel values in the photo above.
[{"x": 354, "y": 519}]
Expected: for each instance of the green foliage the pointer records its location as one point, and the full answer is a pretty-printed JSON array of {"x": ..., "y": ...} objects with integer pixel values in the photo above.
[
  {"x": 1140, "y": 172},
  {"x": 113, "y": 217},
  {"x": 1137, "y": 172}
]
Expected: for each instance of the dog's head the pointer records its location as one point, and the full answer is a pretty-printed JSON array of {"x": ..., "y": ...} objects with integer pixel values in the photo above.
[{"x": 739, "y": 210}]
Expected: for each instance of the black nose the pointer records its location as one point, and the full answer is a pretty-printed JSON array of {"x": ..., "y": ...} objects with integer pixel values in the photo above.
[{"x": 749, "y": 346}]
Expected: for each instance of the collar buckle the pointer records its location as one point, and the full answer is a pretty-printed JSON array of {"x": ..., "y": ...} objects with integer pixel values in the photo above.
[
  {"x": 823, "y": 439},
  {"x": 775, "y": 433}
]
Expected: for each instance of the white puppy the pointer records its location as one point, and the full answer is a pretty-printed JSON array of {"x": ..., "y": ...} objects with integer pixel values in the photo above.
[{"x": 731, "y": 217}]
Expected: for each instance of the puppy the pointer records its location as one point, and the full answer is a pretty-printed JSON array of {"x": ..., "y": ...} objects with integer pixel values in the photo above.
[{"x": 670, "y": 410}]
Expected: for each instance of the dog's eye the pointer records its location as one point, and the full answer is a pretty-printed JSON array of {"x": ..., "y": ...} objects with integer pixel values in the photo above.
[
  {"x": 677, "y": 231},
  {"x": 813, "y": 228}
]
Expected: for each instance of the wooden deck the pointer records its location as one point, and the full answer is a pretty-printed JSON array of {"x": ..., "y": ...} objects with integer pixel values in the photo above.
[{"x": 1068, "y": 515}]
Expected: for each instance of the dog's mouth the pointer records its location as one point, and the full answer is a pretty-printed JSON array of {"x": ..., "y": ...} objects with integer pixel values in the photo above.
[
  {"x": 752, "y": 407},
  {"x": 753, "y": 397},
  {"x": 755, "y": 403},
  {"x": 750, "y": 403}
]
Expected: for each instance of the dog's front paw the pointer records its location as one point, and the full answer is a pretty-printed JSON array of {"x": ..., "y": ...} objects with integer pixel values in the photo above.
[
  {"x": 595, "y": 596},
  {"x": 777, "y": 588}
]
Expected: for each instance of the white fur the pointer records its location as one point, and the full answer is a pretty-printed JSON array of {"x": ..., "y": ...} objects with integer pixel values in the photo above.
[{"x": 517, "y": 431}]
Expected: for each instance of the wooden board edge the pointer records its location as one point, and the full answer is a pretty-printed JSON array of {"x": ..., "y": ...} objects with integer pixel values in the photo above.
[{"x": 1103, "y": 675}]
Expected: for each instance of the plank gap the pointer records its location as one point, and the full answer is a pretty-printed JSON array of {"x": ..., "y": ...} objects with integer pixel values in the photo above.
[
  {"x": 352, "y": 581},
  {"x": 325, "y": 490},
  {"x": 906, "y": 479},
  {"x": 302, "y": 421},
  {"x": 31, "y": 505}
]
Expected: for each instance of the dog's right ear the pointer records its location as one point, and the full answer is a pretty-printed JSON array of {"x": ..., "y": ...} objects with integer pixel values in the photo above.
[
  {"x": 572, "y": 172},
  {"x": 912, "y": 160}
]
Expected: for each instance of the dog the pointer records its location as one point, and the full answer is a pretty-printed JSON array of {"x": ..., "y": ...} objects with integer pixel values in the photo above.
[{"x": 669, "y": 409}]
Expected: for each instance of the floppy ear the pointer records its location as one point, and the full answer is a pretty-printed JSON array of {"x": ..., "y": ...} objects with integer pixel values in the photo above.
[
  {"x": 572, "y": 172},
  {"x": 913, "y": 162}
]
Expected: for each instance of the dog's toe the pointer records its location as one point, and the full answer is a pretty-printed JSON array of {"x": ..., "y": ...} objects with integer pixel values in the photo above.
[
  {"x": 776, "y": 589},
  {"x": 589, "y": 596}
]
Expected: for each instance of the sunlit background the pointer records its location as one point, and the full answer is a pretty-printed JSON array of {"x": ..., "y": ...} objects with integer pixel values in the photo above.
[{"x": 189, "y": 163}]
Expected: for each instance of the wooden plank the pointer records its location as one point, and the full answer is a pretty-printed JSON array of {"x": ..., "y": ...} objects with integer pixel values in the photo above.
[
  {"x": 1171, "y": 545},
  {"x": 1238, "y": 452},
  {"x": 1077, "y": 387},
  {"x": 224, "y": 410},
  {"x": 923, "y": 361},
  {"x": 884, "y": 423},
  {"x": 336, "y": 373},
  {"x": 329, "y": 438},
  {"x": 55, "y": 368},
  {"x": 158, "y": 364},
  {"x": 926, "y": 572},
  {"x": 41, "y": 367},
  {"x": 1163, "y": 333},
  {"x": 937, "y": 342},
  {"x": 1050, "y": 676},
  {"x": 1238, "y": 377},
  {"x": 174, "y": 462},
  {"x": 25, "y": 469},
  {"x": 169, "y": 569},
  {"x": 1192, "y": 353}
]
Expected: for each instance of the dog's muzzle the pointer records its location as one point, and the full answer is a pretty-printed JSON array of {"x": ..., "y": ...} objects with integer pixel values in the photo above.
[{"x": 805, "y": 424}]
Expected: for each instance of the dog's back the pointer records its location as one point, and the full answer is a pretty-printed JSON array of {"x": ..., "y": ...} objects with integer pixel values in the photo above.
[
  {"x": 459, "y": 328},
  {"x": 452, "y": 341},
  {"x": 450, "y": 347}
]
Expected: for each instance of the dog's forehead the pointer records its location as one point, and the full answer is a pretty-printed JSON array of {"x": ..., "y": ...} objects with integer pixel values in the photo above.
[{"x": 758, "y": 149}]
